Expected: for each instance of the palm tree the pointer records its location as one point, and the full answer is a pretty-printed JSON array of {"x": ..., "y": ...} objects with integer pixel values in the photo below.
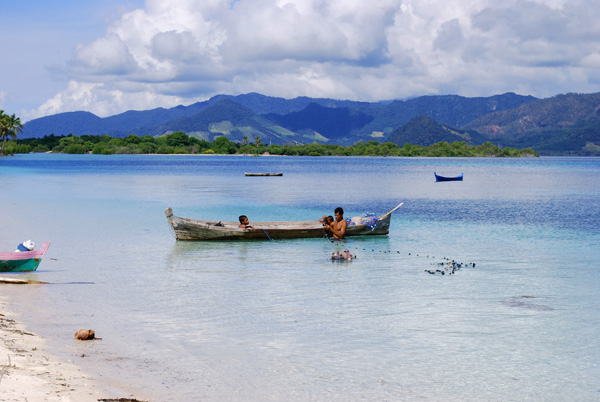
[
  {"x": 3, "y": 130},
  {"x": 10, "y": 127}
]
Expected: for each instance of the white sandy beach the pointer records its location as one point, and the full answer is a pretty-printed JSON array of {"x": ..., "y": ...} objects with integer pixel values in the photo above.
[{"x": 29, "y": 373}]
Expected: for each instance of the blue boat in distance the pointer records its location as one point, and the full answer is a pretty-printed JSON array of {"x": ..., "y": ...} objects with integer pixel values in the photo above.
[{"x": 443, "y": 178}]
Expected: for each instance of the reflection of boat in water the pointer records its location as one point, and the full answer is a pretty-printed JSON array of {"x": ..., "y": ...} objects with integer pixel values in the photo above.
[
  {"x": 444, "y": 178},
  {"x": 193, "y": 229},
  {"x": 525, "y": 302},
  {"x": 22, "y": 261},
  {"x": 216, "y": 256},
  {"x": 263, "y": 174}
]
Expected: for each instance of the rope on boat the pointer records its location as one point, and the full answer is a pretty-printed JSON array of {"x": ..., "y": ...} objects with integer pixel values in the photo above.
[{"x": 267, "y": 235}]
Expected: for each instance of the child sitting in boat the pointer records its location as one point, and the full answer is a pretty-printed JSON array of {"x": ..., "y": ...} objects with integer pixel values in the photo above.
[{"x": 244, "y": 223}]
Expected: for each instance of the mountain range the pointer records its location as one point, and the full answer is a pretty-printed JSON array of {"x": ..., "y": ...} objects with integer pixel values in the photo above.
[{"x": 567, "y": 124}]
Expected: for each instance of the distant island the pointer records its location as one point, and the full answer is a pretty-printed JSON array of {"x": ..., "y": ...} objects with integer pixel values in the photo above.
[{"x": 180, "y": 143}]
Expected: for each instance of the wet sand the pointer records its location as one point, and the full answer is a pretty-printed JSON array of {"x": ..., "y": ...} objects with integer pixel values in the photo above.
[{"x": 28, "y": 372}]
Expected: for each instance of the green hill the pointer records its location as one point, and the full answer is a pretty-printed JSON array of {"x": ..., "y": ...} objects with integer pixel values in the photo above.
[
  {"x": 563, "y": 124},
  {"x": 423, "y": 130},
  {"x": 226, "y": 118},
  {"x": 333, "y": 123}
]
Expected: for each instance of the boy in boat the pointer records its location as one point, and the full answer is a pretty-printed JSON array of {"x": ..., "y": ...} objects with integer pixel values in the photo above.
[
  {"x": 338, "y": 227},
  {"x": 244, "y": 223}
]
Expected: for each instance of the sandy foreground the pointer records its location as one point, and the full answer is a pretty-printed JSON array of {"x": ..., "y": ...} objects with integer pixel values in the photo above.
[{"x": 29, "y": 373}]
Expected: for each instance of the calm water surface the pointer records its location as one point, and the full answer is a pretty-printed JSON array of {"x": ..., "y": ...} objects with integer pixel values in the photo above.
[{"x": 275, "y": 321}]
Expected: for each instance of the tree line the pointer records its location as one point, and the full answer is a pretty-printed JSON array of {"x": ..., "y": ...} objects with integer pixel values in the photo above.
[
  {"x": 10, "y": 127},
  {"x": 180, "y": 143}
]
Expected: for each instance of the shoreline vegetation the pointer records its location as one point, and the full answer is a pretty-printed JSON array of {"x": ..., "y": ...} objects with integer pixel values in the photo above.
[
  {"x": 180, "y": 143},
  {"x": 29, "y": 372}
]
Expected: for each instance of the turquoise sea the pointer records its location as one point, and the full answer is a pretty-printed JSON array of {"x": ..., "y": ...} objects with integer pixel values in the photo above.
[{"x": 278, "y": 320}]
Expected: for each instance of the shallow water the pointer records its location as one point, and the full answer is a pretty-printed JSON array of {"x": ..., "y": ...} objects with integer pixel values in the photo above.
[{"x": 272, "y": 321}]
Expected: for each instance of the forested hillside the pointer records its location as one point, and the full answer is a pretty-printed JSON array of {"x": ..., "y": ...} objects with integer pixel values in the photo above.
[{"x": 564, "y": 124}]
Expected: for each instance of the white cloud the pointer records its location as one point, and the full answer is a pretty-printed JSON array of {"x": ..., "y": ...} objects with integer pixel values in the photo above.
[
  {"x": 182, "y": 51},
  {"x": 103, "y": 100},
  {"x": 105, "y": 56},
  {"x": 591, "y": 60}
]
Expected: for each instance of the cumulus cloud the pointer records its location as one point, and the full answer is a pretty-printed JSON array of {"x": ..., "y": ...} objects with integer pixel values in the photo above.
[
  {"x": 449, "y": 37},
  {"x": 182, "y": 51},
  {"x": 103, "y": 100},
  {"x": 105, "y": 56}
]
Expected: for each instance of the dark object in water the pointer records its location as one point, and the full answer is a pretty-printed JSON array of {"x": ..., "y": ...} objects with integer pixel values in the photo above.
[
  {"x": 449, "y": 268},
  {"x": 444, "y": 178},
  {"x": 342, "y": 256}
]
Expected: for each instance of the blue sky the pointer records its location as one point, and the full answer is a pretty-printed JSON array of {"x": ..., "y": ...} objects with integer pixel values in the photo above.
[{"x": 109, "y": 56}]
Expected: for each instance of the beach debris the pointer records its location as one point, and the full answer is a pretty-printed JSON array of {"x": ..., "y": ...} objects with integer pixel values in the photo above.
[
  {"x": 449, "y": 268},
  {"x": 86, "y": 335},
  {"x": 525, "y": 302},
  {"x": 16, "y": 281},
  {"x": 120, "y": 400},
  {"x": 342, "y": 256}
]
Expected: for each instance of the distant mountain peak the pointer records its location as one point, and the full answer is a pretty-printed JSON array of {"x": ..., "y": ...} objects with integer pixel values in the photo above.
[{"x": 423, "y": 130}]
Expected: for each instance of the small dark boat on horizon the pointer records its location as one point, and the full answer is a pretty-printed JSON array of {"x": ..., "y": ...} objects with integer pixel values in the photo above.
[
  {"x": 263, "y": 174},
  {"x": 444, "y": 178}
]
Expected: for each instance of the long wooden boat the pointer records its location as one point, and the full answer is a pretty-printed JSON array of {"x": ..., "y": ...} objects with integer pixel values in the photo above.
[
  {"x": 193, "y": 229},
  {"x": 263, "y": 174},
  {"x": 444, "y": 178},
  {"x": 22, "y": 261}
]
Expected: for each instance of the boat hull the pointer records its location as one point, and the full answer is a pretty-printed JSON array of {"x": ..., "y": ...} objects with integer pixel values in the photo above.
[
  {"x": 192, "y": 229},
  {"x": 443, "y": 178},
  {"x": 20, "y": 265},
  {"x": 26, "y": 261}
]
